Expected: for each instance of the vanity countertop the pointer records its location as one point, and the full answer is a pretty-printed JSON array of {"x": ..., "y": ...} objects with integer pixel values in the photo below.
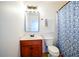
[{"x": 36, "y": 37}]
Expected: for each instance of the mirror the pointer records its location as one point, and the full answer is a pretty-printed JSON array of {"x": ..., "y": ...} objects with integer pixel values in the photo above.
[{"x": 32, "y": 21}]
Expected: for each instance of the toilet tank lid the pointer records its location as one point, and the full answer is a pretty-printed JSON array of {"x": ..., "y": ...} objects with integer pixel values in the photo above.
[{"x": 48, "y": 37}]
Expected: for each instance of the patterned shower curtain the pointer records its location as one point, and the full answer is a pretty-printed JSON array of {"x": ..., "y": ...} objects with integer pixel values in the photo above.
[{"x": 68, "y": 29}]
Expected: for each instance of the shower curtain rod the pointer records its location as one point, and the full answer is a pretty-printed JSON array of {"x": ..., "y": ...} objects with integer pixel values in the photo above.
[{"x": 63, "y": 6}]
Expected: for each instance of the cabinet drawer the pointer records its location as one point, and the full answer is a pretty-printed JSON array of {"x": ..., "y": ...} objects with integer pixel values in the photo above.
[
  {"x": 25, "y": 42},
  {"x": 37, "y": 42},
  {"x": 30, "y": 42}
]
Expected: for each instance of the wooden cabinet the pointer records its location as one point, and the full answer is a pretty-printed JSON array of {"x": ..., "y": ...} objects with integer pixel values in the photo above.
[{"x": 31, "y": 48}]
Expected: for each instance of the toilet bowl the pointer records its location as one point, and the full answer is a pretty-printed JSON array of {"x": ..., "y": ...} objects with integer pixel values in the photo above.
[{"x": 53, "y": 51}]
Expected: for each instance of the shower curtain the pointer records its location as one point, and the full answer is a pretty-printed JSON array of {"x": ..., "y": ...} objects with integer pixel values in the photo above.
[{"x": 68, "y": 29}]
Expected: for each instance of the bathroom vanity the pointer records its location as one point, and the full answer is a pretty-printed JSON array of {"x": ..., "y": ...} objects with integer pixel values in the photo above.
[{"x": 31, "y": 48}]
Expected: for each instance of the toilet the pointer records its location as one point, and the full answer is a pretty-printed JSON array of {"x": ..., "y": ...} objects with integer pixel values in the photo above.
[{"x": 52, "y": 49}]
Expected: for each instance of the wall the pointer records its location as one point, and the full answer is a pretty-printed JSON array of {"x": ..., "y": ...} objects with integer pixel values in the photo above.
[
  {"x": 12, "y": 24},
  {"x": 11, "y": 28},
  {"x": 47, "y": 11}
]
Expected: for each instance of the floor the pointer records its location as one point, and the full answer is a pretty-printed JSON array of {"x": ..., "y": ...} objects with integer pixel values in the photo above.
[{"x": 45, "y": 54}]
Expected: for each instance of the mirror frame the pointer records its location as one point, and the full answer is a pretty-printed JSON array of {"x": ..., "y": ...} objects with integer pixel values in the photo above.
[{"x": 25, "y": 22}]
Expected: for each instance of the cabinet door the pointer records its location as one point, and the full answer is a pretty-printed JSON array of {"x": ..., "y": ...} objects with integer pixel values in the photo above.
[
  {"x": 36, "y": 51},
  {"x": 26, "y": 51}
]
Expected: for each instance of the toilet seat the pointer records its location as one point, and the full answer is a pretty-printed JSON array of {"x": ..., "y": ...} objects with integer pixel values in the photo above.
[{"x": 54, "y": 51}]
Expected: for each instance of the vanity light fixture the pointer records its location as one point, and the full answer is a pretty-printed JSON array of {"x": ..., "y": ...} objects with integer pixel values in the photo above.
[{"x": 32, "y": 7}]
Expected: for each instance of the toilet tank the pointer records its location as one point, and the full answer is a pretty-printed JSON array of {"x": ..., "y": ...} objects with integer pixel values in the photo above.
[
  {"x": 49, "y": 39},
  {"x": 49, "y": 42}
]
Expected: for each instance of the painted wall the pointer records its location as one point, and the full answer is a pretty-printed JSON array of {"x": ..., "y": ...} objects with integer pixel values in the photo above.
[{"x": 12, "y": 24}]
